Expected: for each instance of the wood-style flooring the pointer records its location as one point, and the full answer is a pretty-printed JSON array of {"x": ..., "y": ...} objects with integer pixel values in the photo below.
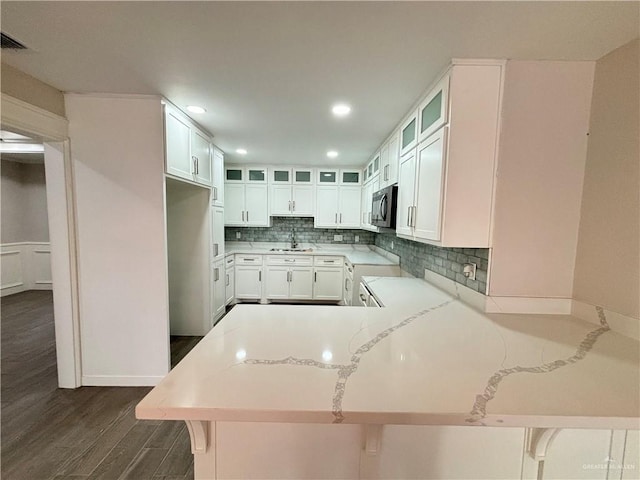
[{"x": 88, "y": 433}]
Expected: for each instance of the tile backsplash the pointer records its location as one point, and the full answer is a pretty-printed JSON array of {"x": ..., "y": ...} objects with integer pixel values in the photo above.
[
  {"x": 304, "y": 231},
  {"x": 415, "y": 257}
]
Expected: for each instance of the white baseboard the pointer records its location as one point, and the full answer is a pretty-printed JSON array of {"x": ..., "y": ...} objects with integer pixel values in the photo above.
[
  {"x": 119, "y": 381},
  {"x": 622, "y": 324},
  {"x": 25, "y": 266}
]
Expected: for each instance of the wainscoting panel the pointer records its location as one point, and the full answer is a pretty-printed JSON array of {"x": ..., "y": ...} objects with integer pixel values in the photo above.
[{"x": 25, "y": 266}]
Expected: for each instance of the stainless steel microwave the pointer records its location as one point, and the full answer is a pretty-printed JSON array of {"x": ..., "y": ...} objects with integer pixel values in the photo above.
[{"x": 383, "y": 207}]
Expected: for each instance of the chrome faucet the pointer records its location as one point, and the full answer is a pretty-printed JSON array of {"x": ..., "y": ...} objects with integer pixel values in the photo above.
[{"x": 294, "y": 242}]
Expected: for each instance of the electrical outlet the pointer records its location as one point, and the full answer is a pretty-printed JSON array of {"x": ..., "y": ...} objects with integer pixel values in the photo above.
[
  {"x": 337, "y": 238},
  {"x": 357, "y": 239},
  {"x": 238, "y": 235},
  {"x": 469, "y": 270}
]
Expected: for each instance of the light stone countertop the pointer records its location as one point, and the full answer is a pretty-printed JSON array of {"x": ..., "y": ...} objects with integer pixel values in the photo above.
[
  {"x": 435, "y": 361},
  {"x": 356, "y": 254}
]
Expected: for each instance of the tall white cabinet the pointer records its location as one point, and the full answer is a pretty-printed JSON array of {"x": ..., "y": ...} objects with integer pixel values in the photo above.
[{"x": 448, "y": 164}]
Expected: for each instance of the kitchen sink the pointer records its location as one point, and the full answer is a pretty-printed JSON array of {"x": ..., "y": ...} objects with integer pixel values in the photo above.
[{"x": 291, "y": 250}]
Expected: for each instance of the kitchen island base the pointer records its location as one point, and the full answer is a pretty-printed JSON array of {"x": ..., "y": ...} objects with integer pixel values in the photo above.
[{"x": 251, "y": 450}]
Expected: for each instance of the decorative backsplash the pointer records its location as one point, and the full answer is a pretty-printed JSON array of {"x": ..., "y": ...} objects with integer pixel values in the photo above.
[
  {"x": 304, "y": 231},
  {"x": 415, "y": 257}
]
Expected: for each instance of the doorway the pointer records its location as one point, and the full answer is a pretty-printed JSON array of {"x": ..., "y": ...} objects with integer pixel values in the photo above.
[{"x": 50, "y": 131}]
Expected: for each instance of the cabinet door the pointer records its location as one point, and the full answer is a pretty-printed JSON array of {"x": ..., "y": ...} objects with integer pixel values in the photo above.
[
  {"x": 350, "y": 177},
  {"x": 384, "y": 165},
  {"x": 304, "y": 176},
  {"x": 327, "y": 283},
  {"x": 326, "y": 206},
  {"x": 234, "y": 175},
  {"x": 328, "y": 177},
  {"x": 427, "y": 217},
  {"x": 432, "y": 113},
  {"x": 302, "y": 200},
  {"x": 177, "y": 133},
  {"x": 201, "y": 156},
  {"x": 234, "y": 211},
  {"x": 366, "y": 207},
  {"x": 217, "y": 232},
  {"x": 276, "y": 285},
  {"x": 256, "y": 201},
  {"x": 230, "y": 285},
  {"x": 256, "y": 175},
  {"x": 217, "y": 167},
  {"x": 219, "y": 290},
  {"x": 301, "y": 283},
  {"x": 248, "y": 282},
  {"x": 281, "y": 200},
  {"x": 280, "y": 175},
  {"x": 349, "y": 207},
  {"x": 409, "y": 134},
  {"x": 406, "y": 189},
  {"x": 394, "y": 160}
]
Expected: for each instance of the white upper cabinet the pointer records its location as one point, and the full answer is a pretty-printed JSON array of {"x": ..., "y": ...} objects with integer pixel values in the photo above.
[
  {"x": 291, "y": 192},
  {"x": 433, "y": 111},
  {"x": 446, "y": 188},
  {"x": 201, "y": 156},
  {"x": 177, "y": 132},
  {"x": 390, "y": 161},
  {"x": 367, "y": 199},
  {"x": 246, "y": 204},
  {"x": 217, "y": 187},
  {"x": 409, "y": 133},
  {"x": 337, "y": 207},
  {"x": 187, "y": 149},
  {"x": 327, "y": 176}
]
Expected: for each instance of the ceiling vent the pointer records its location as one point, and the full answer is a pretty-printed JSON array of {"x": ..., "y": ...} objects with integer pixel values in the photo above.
[{"x": 11, "y": 43}]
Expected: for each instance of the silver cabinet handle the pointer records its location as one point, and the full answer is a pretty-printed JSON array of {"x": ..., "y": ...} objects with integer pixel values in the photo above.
[
  {"x": 216, "y": 274},
  {"x": 369, "y": 217},
  {"x": 227, "y": 284},
  {"x": 215, "y": 249},
  {"x": 289, "y": 205},
  {"x": 215, "y": 193},
  {"x": 249, "y": 259},
  {"x": 413, "y": 216},
  {"x": 315, "y": 276},
  {"x": 247, "y": 215},
  {"x": 336, "y": 218},
  {"x": 194, "y": 159},
  {"x": 340, "y": 218},
  {"x": 259, "y": 275},
  {"x": 290, "y": 260},
  {"x": 243, "y": 215},
  {"x": 294, "y": 205},
  {"x": 345, "y": 285},
  {"x": 409, "y": 217}
]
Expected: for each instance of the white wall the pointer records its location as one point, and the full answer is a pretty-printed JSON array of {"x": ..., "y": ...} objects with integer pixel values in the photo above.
[
  {"x": 608, "y": 259},
  {"x": 117, "y": 153},
  {"x": 541, "y": 163},
  {"x": 24, "y": 202}
]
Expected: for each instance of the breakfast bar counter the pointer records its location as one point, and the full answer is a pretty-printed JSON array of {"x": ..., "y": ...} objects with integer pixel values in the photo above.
[{"x": 358, "y": 386}]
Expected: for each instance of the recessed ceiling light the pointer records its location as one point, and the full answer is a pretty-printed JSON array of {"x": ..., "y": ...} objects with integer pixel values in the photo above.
[
  {"x": 195, "y": 109},
  {"x": 341, "y": 109},
  {"x": 241, "y": 151},
  {"x": 332, "y": 154}
]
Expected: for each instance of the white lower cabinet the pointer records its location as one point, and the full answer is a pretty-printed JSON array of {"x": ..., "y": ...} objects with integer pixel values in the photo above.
[
  {"x": 248, "y": 281},
  {"x": 219, "y": 291},
  {"x": 230, "y": 287},
  {"x": 289, "y": 277},
  {"x": 327, "y": 278},
  {"x": 217, "y": 232}
]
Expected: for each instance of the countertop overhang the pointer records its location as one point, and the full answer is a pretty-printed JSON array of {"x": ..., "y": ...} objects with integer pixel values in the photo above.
[{"x": 436, "y": 361}]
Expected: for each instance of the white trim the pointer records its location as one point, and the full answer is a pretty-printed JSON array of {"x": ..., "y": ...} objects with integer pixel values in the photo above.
[
  {"x": 34, "y": 120},
  {"x": 120, "y": 381},
  {"x": 622, "y": 324},
  {"x": 531, "y": 305},
  {"x": 488, "y": 304}
]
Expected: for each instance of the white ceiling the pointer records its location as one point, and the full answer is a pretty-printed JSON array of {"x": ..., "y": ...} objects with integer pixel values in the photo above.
[{"x": 268, "y": 72}]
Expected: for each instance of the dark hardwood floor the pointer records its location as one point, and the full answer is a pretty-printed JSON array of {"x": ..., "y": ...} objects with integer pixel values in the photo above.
[{"x": 88, "y": 433}]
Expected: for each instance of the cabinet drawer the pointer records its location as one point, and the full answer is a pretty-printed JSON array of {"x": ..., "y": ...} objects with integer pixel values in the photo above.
[
  {"x": 289, "y": 260},
  {"x": 249, "y": 259},
  {"x": 328, "y": 261}
]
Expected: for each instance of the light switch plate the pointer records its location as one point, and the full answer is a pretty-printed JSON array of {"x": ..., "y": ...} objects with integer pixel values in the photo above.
[{"x": 238, "y": 235}]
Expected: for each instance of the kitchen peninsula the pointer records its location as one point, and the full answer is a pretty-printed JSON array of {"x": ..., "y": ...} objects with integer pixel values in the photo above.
[{"x": 428, "y": 389}]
